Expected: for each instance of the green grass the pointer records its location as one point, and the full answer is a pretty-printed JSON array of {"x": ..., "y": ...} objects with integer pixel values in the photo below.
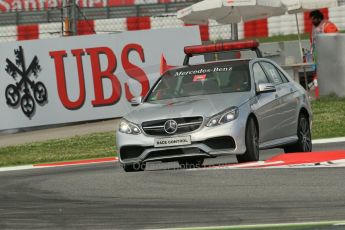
[
  {"x": 79, "y": 147},
  {"x": 284, "y": 38},
  {"x": 328, "y": 121},
  {"x": 329, "y": 117}
]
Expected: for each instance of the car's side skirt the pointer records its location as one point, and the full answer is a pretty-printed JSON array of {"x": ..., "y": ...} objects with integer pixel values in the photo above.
[{"x": 279, "y": 142}]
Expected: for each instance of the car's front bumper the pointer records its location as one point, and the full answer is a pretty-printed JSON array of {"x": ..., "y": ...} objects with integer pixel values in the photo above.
[{"x": 206, "y": 142}]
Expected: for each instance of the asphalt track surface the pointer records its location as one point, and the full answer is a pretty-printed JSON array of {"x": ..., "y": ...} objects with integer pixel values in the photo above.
[{"x": 102, "y": 196}]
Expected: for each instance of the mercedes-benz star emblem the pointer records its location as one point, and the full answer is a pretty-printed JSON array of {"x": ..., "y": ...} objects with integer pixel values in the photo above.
[{"x": 170, "y": 127}]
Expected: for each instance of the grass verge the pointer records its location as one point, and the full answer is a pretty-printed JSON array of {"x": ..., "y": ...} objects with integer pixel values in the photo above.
[
  {"x": 75, "y": 148},
  {"x": 284, "y": 38},
  {"x": 329, "y": 117},
  {"x": 328, "y": 121}
]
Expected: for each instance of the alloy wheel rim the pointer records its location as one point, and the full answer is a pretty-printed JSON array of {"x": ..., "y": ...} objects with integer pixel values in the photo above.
[
  {"x": 305, "y": 135},
  {"x": 255, "y": 140}
]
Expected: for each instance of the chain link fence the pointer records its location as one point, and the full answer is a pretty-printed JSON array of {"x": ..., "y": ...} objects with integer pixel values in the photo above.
[{"x": 114, "y": 25}]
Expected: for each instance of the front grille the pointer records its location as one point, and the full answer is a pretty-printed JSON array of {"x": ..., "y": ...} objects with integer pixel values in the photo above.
[
  {"x": 173, "y": 152},
  {"x": 184, "y": 125}
]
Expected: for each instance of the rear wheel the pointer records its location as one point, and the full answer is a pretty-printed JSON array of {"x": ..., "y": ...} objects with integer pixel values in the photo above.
[
  {"x": 252, "y": 143},
  {"x": 304, "y": 143},
  {"x": 191, "y": 163},
  {"x": 137, "y": 167}
]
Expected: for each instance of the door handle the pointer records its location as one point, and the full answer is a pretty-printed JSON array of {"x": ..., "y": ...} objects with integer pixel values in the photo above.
[{"x": 291, "y": 90}]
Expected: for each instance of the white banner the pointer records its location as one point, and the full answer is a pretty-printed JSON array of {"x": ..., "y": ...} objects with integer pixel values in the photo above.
[{"x": 71, "y": 79}]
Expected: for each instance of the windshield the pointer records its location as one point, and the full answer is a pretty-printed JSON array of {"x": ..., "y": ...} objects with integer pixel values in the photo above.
[{"x": 227, "y": 77}]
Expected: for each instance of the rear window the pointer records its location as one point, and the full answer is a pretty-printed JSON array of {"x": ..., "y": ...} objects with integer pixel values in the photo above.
[{"x": 229, "y": 77}]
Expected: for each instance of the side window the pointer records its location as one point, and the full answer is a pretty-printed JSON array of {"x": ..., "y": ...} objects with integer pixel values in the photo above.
[
  {"x": 272, "y": 73},
  {"x": 259, "y": 74},
  {"x": 285, "y": 79}
]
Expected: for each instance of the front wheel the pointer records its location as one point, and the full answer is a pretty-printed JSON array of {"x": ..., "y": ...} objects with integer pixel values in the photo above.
[
  {"x": 136, "y": 167},
  {"x": 304, "y": 143},
  {"x": 252, "y": 143}
]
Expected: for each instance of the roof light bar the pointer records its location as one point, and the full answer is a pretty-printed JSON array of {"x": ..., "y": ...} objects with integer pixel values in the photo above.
[{"x": 220, "y": 47}]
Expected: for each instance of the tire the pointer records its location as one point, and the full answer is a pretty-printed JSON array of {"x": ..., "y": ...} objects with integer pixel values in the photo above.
[
  {"x": 191, "y": 163},
  {"x": 304, "y": 143},
  {"x": 252, "y": 143},
  {"x": 137, "y": 167}
]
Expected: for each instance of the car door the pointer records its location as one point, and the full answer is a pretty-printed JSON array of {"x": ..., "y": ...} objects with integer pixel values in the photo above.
[
  {"x": 265, "y": 106},
  {"x": 286, "y": 102}
]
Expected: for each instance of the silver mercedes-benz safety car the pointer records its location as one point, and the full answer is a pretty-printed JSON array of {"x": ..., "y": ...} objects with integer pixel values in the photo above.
[{"x": 216, "y": 108}]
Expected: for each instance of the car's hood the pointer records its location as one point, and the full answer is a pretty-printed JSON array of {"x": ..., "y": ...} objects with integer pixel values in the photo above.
[{"x": 205, "y": 105}]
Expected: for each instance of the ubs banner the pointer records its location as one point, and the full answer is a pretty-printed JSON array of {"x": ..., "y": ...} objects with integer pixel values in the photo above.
[{"x": 93, "y": 77}]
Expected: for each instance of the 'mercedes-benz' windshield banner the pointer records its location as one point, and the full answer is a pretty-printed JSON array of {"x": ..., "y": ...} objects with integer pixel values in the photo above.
[
  {"x": 72, "y": 79},
  {"x": 203, "y": 71}
]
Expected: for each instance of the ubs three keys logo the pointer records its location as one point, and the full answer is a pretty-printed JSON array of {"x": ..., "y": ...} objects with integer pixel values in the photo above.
[{"x": 25, "y": 91}]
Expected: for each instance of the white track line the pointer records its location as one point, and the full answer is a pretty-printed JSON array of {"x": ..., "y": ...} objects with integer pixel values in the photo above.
[
  {"x": 26, "y": 167},
  {"x": 15, "y": 168},
  {"x": 329, "y": 140},
  {"x": 261, "y": 226}
]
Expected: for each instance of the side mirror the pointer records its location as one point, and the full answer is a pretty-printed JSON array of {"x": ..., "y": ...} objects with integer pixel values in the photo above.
[
  {"x": 136, "y": 101},
  {"x": 265, "y": 88}
]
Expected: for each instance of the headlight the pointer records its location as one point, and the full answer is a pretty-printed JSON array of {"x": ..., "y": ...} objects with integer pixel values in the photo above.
[
  {"x": 223, "y": 117},
  {"x": 129, "y": 128}
]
